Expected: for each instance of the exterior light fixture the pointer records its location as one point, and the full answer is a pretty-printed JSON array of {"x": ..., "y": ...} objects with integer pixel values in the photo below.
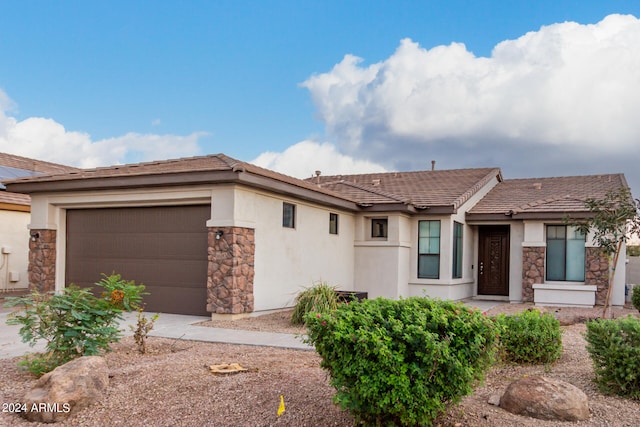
[{"x": 219, "y": 234}]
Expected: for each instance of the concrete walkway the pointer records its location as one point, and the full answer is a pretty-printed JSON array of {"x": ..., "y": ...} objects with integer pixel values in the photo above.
[
  {"x": 183, "y": 327},
  {"x": 176, "y": 326},
  {"x": 484, "y": 305},
  {"x": 173, "y": 326}
]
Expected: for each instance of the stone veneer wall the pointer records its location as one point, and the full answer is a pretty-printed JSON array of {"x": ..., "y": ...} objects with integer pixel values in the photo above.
[
  {"x": 532, "y": 270},
  {"x": 42, "y": 261},
  {"x": 597, "y": 273},
  {"x": 231, "y": 270}
]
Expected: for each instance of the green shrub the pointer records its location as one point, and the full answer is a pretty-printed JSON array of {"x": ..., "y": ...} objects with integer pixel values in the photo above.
[
  {"x": 402, "y": 362},
  {"x": 635, "y": 297},
  {"x": 122, "y": 294},
  {"x": 531, "y": 337},
  {"x": 73, "y": 322},
  {"x": 319, "y": 298},
  {"x": 614, "y": 347}
]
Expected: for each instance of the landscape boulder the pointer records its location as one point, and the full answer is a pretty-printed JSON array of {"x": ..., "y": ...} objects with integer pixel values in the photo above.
[
  {"x": 545, "y": 399},
  {"x": 69, "y": 387}
]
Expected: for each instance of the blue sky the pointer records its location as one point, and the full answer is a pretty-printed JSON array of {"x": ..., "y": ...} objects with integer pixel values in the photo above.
[{"x": 93, "y": 83}]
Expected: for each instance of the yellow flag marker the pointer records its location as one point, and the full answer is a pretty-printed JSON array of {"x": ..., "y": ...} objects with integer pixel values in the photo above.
[{"x": 281, "y": 407}]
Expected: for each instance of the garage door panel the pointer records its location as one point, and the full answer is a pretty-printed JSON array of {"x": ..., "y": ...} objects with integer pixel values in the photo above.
[
  {"x": 136, "y": 220},
  {"x": 165, "y": 248},
  {"x": 167, "y": 274},
  {"x": 177, "y": 301},
  {"x": 139, "y": 245}
]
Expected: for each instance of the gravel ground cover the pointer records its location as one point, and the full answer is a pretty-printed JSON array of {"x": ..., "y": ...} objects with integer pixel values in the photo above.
[{"x": 172, "y": 386}]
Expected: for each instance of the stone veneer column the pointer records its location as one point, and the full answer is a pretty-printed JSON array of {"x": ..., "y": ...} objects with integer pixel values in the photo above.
[
  {"x": 532, "y": 270},
  {"x": 42, "y": 260},
  {"x": 231, "y": 270},
  {"x": 597, "y": 272}
]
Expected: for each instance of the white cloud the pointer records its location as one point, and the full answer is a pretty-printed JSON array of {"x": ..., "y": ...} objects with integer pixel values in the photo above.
[
  {"x": 566, "y": 84},
  {"x": 557, "y": 101},
  {"x": 45, "y": 139},
  {"x": 304, "y": 158}
]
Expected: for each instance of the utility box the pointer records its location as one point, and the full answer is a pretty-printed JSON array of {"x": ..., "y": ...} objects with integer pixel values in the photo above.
[
  {"x": 6, "y": 250},
  {"x": 14, "y": 276}
]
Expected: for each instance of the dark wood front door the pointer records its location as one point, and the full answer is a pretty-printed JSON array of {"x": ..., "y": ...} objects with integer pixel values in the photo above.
[{"x": 493, "y": 260}]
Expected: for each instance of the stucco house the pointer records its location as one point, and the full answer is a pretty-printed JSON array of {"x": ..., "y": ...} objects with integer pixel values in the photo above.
[
  {"x": 14, "y": 219},
  {"x": 214, "y": 235}
]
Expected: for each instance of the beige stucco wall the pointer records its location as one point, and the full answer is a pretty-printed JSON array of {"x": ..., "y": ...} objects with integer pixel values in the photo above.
[
  {"x": 382, "y": 265},
  {"x": 389, "y": 267},
  {"x": 286, "y": 260},
  {"x": 618, "y": 297},
  {"x": 447, "y": 287},
  {"x": 14, "y": 238}
]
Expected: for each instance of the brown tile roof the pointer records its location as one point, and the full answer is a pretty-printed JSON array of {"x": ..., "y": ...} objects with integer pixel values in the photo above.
[
  {"x": 115, "y": 176},
  {"x": 27, "y": 164},
  {"x": 210, "y": 163},
  {"x": 449, "y": 188},
  {"x": 204, "y": 163},
  {"x": 444, "y": 188},
  {"x": 422, "y": 189},
  {"x": 556, "y": 195}
]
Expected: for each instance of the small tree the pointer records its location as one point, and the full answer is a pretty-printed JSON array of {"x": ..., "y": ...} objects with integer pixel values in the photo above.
[
  {"x": 614, "y": 218},
  {"x": 73, "y": 322}
]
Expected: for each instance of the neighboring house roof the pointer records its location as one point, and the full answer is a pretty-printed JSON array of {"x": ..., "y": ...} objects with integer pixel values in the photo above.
[
  {"x": 14, "y": 201},
  {"x": 12, "y": 167},
  {"x": 439, "y": 191},
  {"x": 19, "y": 163},
  {"x": 544, "y": 197}
]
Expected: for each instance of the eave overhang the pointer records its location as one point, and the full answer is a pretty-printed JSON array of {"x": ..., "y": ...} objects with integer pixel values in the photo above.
[
  {"x": 406, "y": 208},
  {"x": 176, "y": 179},
  {"x": 239, "y": 176},
  {"x": 511, "y": 216}
]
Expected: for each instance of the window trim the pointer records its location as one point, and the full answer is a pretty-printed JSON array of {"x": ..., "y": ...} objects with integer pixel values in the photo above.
[
  {"x": 428, "y": 254},
  {"x": 292, "y": 222}
]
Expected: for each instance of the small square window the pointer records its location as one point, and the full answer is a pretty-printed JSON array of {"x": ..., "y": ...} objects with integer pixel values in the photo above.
[
  {"x": 333, "y": 223},
  {"x": 379, "y": 227},
  {"x": 288, "y": 215}
]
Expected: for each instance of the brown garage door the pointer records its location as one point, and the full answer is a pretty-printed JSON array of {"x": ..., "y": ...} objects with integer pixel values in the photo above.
[{"x": 163, "y": 247}]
